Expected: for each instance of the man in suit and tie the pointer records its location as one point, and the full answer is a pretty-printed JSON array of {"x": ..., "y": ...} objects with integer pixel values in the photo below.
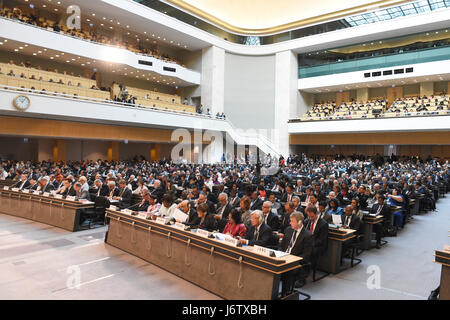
[
  {"x": 102, "y": 189},
  {"x": 270, "y": 217},
  {"x": 45, "y": 185},
  {"x": 350, "y": 220},
  {"x": 318, "y": 227},
  {"x": 81, "y": 195},
  {"x": 222, "y": 211},
  {"x": 23, "y": 182},
  {"x": 259, "y": 233},
  {"x": 255, "y": 201},
  {"x": 289, "y": 194},
  {"x": 234, "y": 199},
  {"x": 124, "y": 196},
  {"x": 299, "y": 242},
  {"x": 113, "y": 191},
  {"x": 380, "y": 208},
  {"x": 299, "y": 188},
  {"x": 322, "y": 213}
]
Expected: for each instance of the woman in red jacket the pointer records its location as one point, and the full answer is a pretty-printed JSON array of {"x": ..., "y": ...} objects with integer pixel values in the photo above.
[{"x": 235, "y": 227}]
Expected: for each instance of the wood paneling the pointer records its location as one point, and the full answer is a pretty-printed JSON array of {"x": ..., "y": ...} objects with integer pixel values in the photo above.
[
  {"x": 29, "y": 127},
  {"x": 384, "y": 138}
]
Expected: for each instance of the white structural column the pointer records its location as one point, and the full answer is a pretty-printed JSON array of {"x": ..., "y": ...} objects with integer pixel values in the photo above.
[
  {"x": 213, "y": 79},
  {"x": 286, "y": 95}
]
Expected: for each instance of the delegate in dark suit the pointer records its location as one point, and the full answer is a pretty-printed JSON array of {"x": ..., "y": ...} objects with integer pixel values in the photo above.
[
  {"x": 261, "y": 238},
  {"x": 272, "y": 220},
  {"x": 126, "y": 196},
  {"x": 320, "y": 236},
  {"x": 256, "y": 205},
  {"x": 302, "y": 247}
]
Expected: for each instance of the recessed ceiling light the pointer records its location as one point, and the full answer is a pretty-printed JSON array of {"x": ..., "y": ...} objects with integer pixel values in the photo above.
[
  {"x": 44, "y": 6},
  {"x": 26, "y": 45},
  {"x": 57, "y": 55},
  {"x": 68, "y": 61},
  {"x": 52, "y": 58},
  {"x": 93, "y": 14},
  {"x": 20, "y": 48},
  {"x": 39, "y": 51},
  {"x": 45, "y": 49},
  {"x": 56, "y": 9},
  {"x": 16, "y": 50},
  {"x": 102, "y": 24},
  {"x": 34, "y": 54}
]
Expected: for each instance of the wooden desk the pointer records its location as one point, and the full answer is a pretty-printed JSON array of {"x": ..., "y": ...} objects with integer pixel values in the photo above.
[
  {"x": 60, "y": 213},
  {"x": 227, "y": 271},
  {"x": 443, "y": 257},
  {"x": 331, "y": 261},
  {"x": 369, "y": 221}
]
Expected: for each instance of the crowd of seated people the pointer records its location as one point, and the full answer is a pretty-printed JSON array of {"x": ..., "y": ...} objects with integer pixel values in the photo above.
[
  {"x": 431, "y": 105},
  {"x": 81, "y": 87},
  {"x": 289, "y": 211},
  {"x": 133, "y": 45}
]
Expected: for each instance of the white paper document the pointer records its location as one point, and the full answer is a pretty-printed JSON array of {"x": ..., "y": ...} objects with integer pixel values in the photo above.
[
  {"x": 337, "y": 219},
  {"x": 180, "y": 215}
]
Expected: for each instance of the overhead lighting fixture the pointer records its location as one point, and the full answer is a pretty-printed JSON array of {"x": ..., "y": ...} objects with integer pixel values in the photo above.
[
  {"x": 16, "y": 50},
  {"x": 52, "y": 58}
]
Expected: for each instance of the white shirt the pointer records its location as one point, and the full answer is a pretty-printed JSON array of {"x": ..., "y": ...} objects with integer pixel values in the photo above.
[
  {"x": 167, "y": 212},
  {"x": 294, "y": 239}
]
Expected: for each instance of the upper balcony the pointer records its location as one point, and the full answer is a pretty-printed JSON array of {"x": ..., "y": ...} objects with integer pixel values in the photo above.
[{"x": 39, "y": 38}]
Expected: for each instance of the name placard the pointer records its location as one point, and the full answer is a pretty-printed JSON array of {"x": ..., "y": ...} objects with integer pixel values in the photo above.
[
  {"x": 231, "y": 240},
  {"x": 142, "y": 215},
  {"x": 179, "y": 225},
  {"x": 36, "y": 192},
  {"x": 127, "y": 211},
  {"x": 58, "y": 196},
  {"x": 161, "y": 220},
  {"x": 46, "y": 194},
  {"x": 203, "y": 233},
  {"x": 114, "y": 208},
  {"x": 5, "y": 188},
  {"x": 70, "y": 198},
  {"x": 262, "y": 250},
  {"x": 15, "y": 189},
  {"x": 26, "y": 191}
]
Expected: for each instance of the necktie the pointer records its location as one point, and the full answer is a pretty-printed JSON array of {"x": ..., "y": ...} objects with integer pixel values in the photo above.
[
  {"x": 312, "y": 227},
  {"x": 291, "y": 243},
  {"x": 257, "y": 234}
]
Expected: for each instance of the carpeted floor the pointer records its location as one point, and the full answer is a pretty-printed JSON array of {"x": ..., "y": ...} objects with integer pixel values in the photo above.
[{"x": 38, "y": 261}]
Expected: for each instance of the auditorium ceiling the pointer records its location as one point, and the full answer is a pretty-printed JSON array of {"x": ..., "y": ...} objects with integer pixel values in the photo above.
[{"x": 264, "y": 17}]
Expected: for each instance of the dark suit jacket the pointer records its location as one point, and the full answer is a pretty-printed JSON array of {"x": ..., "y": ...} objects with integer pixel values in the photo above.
[
  {"x": 236, "y": 202},
  {"x": 264, "y": 238},
  {"x": 384, "y": 211},
  {"x": 48, "y": 187},
  {"x": 284, "y": 198},
  {"x": 225, "y": 213},
  {"x": 257, "y": 205},
  {"x": 126, "y": 198},
  {"x": 25, "y": 186},
  {"x": 320, "y": 236},
  {"x": 355, "y": 222},
  {"x": 209, "y": 223},
  {"x": 104, "y": 191},
  {"x": 303, "y": 244},
  {"x": 273, "y": 221}
]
